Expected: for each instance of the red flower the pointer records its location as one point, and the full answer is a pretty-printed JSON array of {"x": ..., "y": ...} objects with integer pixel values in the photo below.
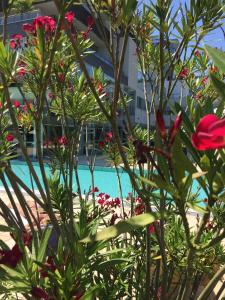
[
  {"x": 9, "y": 137},
  {"x": 95, "y": 190},
  {"x": 108, "y": 137},
  {"x": 90, "y": 21},
  {"x": 28, "y": 28},
  {"x": 184, "y": 73},
  {"x": 139, "y": 209},
  {"x": 61, "y": 78},
  {"x": 151, "y": 228},
  {"x": 210, "y": 133},
  {"x": 10, "y": 258},
  {"x": 161, "y": 124},
  {"x": 175, "y": 128},
  {"x": 39, "y": 293},
  {"x": 27, "y": 238},
  {"x": 205, "y": 200},
  {"x": 47, "y": 23},
  {"x": 196, "y": 53},
  {"x": 48, "y": 266},
  {"x": 16, "y": 104},
  {"x": 204, "y": 80},
  {"x": 62, "y": 141},
  {"x": 22, "y": 72},
  {"x": 70, "y": 17},
  {"x": 50, "y": 95},
  {"x": 38, "y": 22},
  {"x": 101, "y": 145},
  {"x": 17, "y": 37},
  {"x": 13, "y": 44},
  {"x": 100, "y": 88}
]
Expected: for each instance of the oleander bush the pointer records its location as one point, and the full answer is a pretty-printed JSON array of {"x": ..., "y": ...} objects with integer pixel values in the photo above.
[{"x": 163, "y": 240}]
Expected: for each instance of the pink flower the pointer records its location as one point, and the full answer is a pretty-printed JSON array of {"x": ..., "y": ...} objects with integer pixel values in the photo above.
[
  {"x": 17, "y": 36},
  {"x": 28, "y": 28},
  {"x": 16, "y": 104},
  {"x": 50, "y": 95},
  {"x": 100, "y": 88},
  {"x": 210, "y": 133},
  {"x": 62, "y": 141},
  {"x": 196, "y": 53},
  {"x": 39, "y": 22},
  {"x": 47, "y": 23},
  {"x": 9, "y": 137},
  {"x": 184, "y": 73},
  {"x": 95, "y": 190},
  {"x": 70, "y": 17},
  {"x": 13, "y": 44},
  {"x": 108, "y": 137},
  {"x": 22, "y": 72},
  {"x": 205, "y": 80},
  {"x": 151, "y": 228}
]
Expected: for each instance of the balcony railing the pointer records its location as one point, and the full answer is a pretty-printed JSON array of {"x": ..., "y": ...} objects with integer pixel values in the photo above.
[{"x": 18, "y": 18}]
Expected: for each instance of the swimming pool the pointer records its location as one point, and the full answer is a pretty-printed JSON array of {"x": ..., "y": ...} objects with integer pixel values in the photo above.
[{"x": 105, "y": 178}]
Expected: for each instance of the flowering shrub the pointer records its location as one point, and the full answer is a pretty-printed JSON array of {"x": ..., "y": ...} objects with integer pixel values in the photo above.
[{"x": 87, "y": 245}]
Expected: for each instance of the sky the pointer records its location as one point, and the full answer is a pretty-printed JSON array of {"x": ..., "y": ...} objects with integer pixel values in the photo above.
[{"x": 215, "y": 38}]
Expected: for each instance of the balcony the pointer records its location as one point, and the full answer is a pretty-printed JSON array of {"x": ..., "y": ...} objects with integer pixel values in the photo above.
[
  {"x": 18, "y": 18},
  {"x": 97, "y": 61},
  {"x": 15, "y": 22}
]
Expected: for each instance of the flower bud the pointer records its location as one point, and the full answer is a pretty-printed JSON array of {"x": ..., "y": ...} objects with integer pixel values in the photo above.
[{"x": 161, "y": 124}]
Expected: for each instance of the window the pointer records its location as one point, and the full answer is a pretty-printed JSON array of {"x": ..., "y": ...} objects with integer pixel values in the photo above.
[{"x": 141, "y": 103}]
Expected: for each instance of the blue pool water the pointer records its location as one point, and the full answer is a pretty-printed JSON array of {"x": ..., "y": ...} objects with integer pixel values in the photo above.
[{"x": 105, "y": 179}]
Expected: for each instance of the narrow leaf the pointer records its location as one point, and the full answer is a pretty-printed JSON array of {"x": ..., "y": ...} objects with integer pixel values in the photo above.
[{"x": 122, "y": 227}]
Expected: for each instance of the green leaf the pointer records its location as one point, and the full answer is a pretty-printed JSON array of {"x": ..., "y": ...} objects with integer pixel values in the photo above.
[
  {"x": 186, "y": 121},
  {"x": 114, "y": 261},
  {"x": 122, "y": 227},
  {"x": 196, "y": 207},
  {"x": 91, "y": 293},
  {"x": 4, "y": 228},
  {"x": 44, "y": 244},
  {"x": 218, "y": 84},
  {"x": 158, "y": 182},
  {"x": 13, "y": 273},
  {"x": 198, "y": 174},
  {"x": 217, "y": 56}
]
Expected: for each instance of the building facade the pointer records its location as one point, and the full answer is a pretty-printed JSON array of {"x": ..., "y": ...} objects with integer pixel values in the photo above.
[{"x": 130, "y": 80}]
